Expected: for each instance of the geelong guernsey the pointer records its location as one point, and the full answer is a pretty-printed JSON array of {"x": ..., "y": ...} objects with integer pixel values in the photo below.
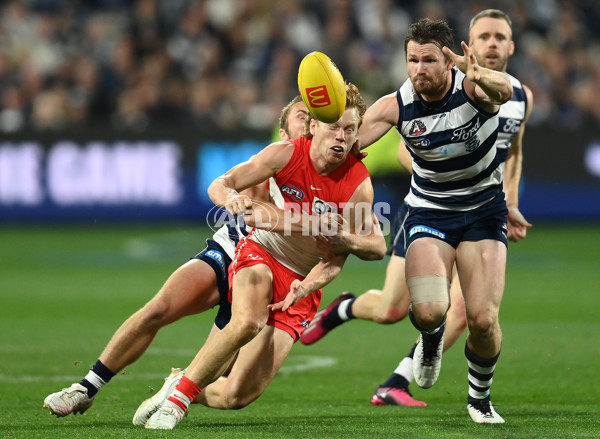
[
  {"x": 456, "y": 165},
  {"x": 229, "y": 235},
  {"x": 301, "y": 189},
  {"x": 511, "y": 115}
]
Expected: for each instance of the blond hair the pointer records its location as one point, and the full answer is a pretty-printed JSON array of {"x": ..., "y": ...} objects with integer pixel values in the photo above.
[
  {"x": 353, "y": 100},
  {"x": 491, "y": 13}
]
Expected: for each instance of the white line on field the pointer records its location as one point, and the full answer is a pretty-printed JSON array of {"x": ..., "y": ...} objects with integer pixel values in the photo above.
[
  {"x": 296, "y": 363},
  {"x": 301, "y": 363}
]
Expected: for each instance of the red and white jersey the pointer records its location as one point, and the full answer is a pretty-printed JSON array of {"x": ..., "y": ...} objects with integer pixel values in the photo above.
[{"x": 299, "y": 188}]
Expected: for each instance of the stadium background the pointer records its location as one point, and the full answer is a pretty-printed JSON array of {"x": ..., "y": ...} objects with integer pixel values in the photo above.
[
  {"x": 127, "y": 109},
  {"x": 115, "y": 114}
]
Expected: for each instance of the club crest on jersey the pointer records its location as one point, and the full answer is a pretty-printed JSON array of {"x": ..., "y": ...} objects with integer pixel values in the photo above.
[
  {"x": 472, "y": 144},
  {"x": 292, "y": 192},
  {"x": 419, "y": 143},
  {"x": 320, "y": 207},
  {"x": 417, "y": 128},
  {"x": 318, "y": 96}
]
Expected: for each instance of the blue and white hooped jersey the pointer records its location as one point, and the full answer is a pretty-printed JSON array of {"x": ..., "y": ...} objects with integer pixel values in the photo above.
[
  {"x": 456, "y": 165},
  {"x": 511, "y": 115},
  {"x": 228, "y": 235}
]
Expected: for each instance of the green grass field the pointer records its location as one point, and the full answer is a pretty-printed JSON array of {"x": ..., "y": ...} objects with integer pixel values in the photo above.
[{"x": 64, "y": 290}]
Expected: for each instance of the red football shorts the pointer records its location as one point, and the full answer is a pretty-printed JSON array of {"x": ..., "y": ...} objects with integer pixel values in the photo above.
[{"x": 297, "y": 317}]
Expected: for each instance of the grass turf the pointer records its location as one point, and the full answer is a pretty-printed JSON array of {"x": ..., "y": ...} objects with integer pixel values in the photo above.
[{"x": 65, "y": 290}]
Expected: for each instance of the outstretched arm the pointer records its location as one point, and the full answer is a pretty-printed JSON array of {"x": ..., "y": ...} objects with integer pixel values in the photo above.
[
  {"x": 379, "y": 118},
  {"x": 487, "y": 87}
]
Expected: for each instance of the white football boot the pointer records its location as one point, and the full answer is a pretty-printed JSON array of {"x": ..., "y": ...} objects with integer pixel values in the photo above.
[
  {"x": 152, "y": 404},
  {"x": 427, "y": 362},
  {"x": 73, "y": 399},
  {"x": 482, "y": 411},
  {"x": 165, "y": 418}
]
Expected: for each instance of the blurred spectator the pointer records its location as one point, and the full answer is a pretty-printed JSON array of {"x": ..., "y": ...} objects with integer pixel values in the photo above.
[
  {"x": 233, "y": 63},
  {"x": 12, "y": 114}
]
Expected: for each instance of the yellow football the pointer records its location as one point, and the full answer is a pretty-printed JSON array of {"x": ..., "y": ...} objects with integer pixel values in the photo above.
[{"x": 322, "y": 87}]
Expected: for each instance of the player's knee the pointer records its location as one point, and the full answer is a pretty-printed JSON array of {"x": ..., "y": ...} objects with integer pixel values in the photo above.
[
  {"x": 245, "y": 329},
  {"x": 431, "y": 314},
  {"x": 390, "y": 314},
  {"x": 238, "y": 400},
  {"x": 154, "y": 315},
  {"x": 233, "y": 402},
  {"x": 236, "y": 397},
  {"x": 430, "y": 299},
  {"x": 482, "y": 324}
]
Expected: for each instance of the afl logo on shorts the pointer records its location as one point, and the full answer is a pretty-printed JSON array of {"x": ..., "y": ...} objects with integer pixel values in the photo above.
[
  {"x": 318, "y": 96},
  {"x": 292, "y": 192}
]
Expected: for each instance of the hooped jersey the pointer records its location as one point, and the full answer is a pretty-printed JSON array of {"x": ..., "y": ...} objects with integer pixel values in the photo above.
[
  {"x": 230, "y": 234},
  {"x": 511, "y": 115},
  {"x": 456, "y": 165},
  {"x": 301, "y": 189}
]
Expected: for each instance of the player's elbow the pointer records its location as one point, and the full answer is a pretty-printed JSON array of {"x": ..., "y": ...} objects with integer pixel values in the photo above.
[
  {"x": 381, "y": 250},
  {"x": 216, "y": 188},
  {"x": 212, "y": 190}
]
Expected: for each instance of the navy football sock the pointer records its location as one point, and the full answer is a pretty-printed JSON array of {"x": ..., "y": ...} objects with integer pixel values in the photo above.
[
  {"x": 335, "y": 319},
  {"x": 97, "y": 377}
]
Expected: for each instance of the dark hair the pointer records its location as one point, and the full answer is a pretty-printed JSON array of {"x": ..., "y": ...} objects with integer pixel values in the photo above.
[
  {"x": 427, "y": 31},
  {"x": 492, "y": 13}
]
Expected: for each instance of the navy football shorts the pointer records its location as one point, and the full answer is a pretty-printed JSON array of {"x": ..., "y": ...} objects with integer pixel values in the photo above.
[
  {"x": 453, "y": 227},
  {"x": 217, "y": 258},
  {"x": 398, "y": 244}
]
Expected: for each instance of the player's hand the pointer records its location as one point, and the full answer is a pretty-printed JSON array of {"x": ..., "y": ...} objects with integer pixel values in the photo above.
[
  {"x": 331, "y": 224},
  {"x": 238, "y": 204},
  {"x": 517, "y": 225},
  {"x": 335, "y": 238},
  {"x": 467, "y": 63},
  {"x": 356, "y": 152},
  {"x": 297, "y": 292}
]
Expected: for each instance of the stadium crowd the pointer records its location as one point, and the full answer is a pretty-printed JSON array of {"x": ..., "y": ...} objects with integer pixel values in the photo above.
[{"x": 233, "y": 63}]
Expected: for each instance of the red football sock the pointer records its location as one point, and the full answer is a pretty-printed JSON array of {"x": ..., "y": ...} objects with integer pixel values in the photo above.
[{"x": 185, "y": 392}]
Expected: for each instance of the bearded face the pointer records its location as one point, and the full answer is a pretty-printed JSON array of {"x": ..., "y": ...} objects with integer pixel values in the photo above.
[{"x": 428, "y": 69}]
